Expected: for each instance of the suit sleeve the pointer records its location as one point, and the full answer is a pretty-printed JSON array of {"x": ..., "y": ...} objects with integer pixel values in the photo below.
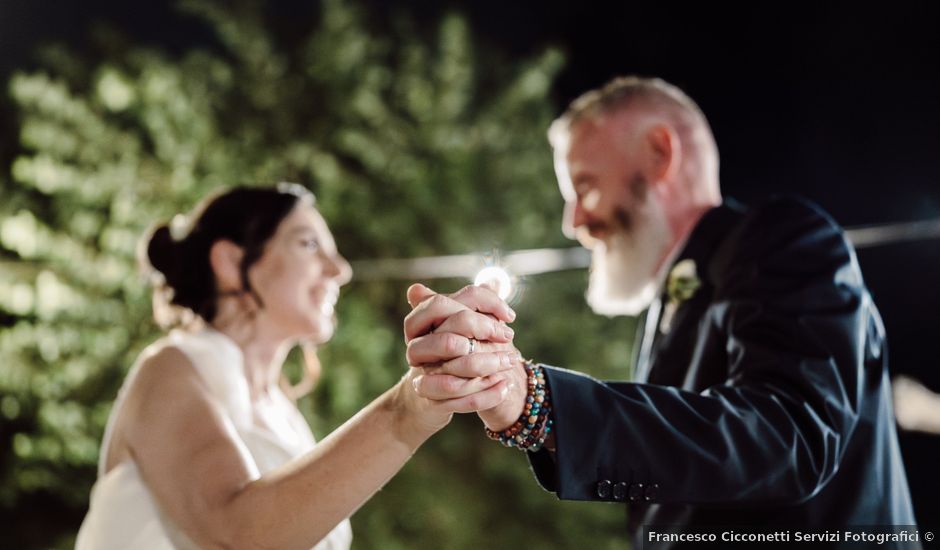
[{"x": 792, "y": 313}]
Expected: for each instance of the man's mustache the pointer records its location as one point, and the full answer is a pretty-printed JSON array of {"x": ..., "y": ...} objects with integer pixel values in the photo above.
[{"x": 623, "y": 220}]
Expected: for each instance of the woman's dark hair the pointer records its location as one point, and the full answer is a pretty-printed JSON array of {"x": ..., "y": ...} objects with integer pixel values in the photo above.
[{"x": 179, "y": 250}]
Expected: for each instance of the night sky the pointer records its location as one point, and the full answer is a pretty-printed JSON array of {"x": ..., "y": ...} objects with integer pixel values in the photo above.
[{"x": 835, "y": 102}]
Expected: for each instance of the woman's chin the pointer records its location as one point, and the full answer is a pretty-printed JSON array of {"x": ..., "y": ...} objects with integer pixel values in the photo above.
[{"x": 319, "y": 331}]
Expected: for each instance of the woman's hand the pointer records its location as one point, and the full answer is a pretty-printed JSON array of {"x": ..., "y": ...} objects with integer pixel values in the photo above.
[{"x": 420, "y": 417}]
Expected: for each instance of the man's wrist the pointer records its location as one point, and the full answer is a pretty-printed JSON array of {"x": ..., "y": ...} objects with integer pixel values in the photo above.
[{"x": 533, "y": 427}]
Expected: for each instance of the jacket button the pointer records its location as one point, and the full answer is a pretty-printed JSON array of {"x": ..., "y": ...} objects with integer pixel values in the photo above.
[
  {"x": 620, "y": 491},
  {"x": 603, "y": 489},
  {"x": 652, "y": 491},
  {"x": 636, "y": 492}
]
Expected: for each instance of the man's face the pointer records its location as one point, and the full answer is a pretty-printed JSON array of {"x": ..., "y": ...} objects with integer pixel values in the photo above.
[{"x": 611, "y": 209}]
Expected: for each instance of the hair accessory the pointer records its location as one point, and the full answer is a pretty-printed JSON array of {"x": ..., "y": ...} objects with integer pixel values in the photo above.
[
  {"x": 297, "y": 190},
  {"x": 179, "y": 227}
]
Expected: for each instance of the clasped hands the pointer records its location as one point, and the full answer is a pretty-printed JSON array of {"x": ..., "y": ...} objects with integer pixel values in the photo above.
[{"x": 461, "y": 352}]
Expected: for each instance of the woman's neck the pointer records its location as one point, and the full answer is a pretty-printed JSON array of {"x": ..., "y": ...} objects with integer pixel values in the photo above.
[{"x": 263, "y": 355}]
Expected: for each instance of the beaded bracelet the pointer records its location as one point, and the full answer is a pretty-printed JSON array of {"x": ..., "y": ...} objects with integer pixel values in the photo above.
[{"x": 531, "y": 430}]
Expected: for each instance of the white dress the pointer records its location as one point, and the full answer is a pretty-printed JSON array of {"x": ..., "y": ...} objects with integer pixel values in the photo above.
[{"x": 122, "y": 512}]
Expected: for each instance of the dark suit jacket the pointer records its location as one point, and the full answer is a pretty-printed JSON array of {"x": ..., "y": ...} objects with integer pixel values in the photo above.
[{"x": 766, "y": 404}]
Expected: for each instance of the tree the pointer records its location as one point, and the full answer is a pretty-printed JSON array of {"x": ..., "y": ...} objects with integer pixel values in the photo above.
[{"x": 415, "y": 144}]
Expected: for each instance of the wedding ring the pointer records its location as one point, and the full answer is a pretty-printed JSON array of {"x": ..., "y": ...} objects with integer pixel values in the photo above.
[{"x": 473, "y": 345}]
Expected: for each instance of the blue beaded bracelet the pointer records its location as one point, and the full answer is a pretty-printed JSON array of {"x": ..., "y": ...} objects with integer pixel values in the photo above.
[{"x": 535, "y": 424}]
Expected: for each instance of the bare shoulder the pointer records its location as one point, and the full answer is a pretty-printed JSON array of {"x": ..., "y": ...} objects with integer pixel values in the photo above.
[
  {"x": 163, "y": 395},
  {"x": 185, "y": 446},
  {"x": 164, "y": 373},
  {"x": 163, "y": 376}
]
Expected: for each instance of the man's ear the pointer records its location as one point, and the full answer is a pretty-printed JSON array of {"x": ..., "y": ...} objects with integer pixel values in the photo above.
[
  {"x": 664, "y": 152},
  {"x": 225, "y": 257}
]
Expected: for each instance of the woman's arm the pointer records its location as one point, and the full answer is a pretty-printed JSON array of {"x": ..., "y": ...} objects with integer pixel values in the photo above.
[{"x": 203, "y": 477}]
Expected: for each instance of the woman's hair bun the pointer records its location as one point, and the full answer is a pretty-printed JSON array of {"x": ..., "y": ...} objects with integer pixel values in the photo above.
[{"x": 163, "y": 253}]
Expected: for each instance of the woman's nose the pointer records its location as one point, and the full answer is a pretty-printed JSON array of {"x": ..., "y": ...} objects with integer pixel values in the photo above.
[{"x": 339, "y": 268}]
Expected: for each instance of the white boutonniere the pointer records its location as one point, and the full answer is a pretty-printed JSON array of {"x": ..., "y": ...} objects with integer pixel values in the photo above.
[{"x": 681, "y": 284}]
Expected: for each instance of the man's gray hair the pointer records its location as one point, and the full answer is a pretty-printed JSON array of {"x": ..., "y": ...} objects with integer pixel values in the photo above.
[{"x": 624, "y": 92}]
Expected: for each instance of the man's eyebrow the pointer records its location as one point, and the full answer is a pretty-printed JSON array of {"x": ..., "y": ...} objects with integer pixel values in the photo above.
[{"x": 583, "y": 179}]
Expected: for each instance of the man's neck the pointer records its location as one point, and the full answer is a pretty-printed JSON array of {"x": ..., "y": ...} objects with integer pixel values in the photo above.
[{"x": 682, "y": 227}]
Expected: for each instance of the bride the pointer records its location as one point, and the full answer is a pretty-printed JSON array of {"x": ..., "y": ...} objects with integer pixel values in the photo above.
[{"x": 204, "y": 449}]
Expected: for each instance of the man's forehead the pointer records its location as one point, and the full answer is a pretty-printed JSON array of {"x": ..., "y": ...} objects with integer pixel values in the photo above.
[
  {"x": 586, "y": 130},
  {"x": 589, "y": 131},
  {"x": 587, "y": 137},
  {"x": 602, "y": 132}
]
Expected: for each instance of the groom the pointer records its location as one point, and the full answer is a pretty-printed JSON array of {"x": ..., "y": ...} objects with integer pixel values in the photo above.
[{"x": 761, "y": 395}]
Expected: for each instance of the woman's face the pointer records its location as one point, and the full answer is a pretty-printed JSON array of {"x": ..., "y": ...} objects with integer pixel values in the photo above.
[{"x": 298, "y": 277}]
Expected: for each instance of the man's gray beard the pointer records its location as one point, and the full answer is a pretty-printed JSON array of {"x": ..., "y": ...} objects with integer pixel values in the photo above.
[{"x": 624, "y": 279}]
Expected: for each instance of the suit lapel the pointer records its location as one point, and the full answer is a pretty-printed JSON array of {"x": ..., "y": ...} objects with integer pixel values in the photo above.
[
  {"x": 665, "y": 358},
  {"x": 646, "y": 341},
  {"x": 671, "y": 353}
]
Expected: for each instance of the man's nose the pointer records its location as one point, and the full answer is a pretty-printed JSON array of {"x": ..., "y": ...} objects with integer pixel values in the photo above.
[{"x": 573, "y": 218}]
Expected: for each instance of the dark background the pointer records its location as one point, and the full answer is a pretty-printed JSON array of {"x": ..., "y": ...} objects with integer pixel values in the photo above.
[{"x": 835, "y": 102}]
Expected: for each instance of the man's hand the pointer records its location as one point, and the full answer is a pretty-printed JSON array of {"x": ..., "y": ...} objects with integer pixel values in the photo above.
[{"x": 438, "y": 332}]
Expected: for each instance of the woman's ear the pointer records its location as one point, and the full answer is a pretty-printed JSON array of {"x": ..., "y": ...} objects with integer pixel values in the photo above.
[{"x": 225, "y": 257}]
